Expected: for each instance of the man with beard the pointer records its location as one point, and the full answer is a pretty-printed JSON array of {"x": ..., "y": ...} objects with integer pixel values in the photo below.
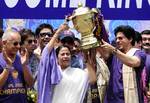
[
  {"x": 125, "y": 64},
  {"x": 146, "y": 47}
]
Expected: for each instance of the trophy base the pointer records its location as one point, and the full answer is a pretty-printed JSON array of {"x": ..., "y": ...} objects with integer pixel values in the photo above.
[{"x": 89, "y": 42}]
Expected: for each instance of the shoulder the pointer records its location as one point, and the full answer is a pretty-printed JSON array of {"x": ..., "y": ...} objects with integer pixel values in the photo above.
[{"x": 141, "y": 54}]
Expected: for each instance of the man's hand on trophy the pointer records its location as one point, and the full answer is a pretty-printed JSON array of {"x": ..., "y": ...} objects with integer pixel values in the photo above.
[{"x": 107, "y": 47}]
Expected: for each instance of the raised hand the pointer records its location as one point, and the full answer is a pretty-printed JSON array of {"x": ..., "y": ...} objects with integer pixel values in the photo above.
[
  {"x": 62, "y": 27},
  {"x": 24, "y": 56},
  {"x": 8, "y": 60}
]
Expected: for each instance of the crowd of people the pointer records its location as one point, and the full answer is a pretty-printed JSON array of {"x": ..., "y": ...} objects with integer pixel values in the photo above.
[{"x": 52, "y": 63}]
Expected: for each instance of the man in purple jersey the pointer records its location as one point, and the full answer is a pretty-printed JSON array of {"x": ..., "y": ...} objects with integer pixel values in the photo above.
[
  {"x": 125, "y": 65},
  {"x": 146, "y": 47},
  {"x": 14, "y": 73}
]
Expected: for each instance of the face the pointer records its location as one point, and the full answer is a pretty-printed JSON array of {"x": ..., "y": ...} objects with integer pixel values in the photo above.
[
  {"x": 76, "y": 48},
  {"x": 146, "y": 41},
  {"x": 31, "y": 44},
  {"x": 13, "y": 44},
  {"x": 122, "y": 42},
  {"x": 138, "y": 45},
  {"x": 45, "y": 36},
  {"x": 64, "y": 57}
]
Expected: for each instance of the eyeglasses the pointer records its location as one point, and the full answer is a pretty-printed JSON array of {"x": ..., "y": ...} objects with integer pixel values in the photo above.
[
  {"x": 30, "y": 41},
  {"x": 16, "y": 43},
  {"x": 47, "y": 33}
]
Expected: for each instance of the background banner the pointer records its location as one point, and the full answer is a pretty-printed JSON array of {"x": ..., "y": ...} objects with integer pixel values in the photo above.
[{"x": 57, "y": 9}]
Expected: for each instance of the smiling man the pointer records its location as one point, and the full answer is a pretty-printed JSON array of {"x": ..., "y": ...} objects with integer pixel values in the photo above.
[
  {"x": 125, "y": 65},
  {"x": 14, "y": 73}
]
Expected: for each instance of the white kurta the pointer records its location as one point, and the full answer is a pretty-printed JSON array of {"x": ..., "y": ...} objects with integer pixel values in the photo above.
[{"x": 72, "y": 87}]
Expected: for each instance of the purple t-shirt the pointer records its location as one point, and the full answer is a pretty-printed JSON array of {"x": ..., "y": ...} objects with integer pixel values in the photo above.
[
  {"x": 14, "y": 90},
  {"x": 147, "y": 66},
  {"x": 115, "y": 92}
]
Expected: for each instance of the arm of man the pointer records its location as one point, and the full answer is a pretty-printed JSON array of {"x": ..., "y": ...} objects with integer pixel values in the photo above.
[
  {"x": 3, "y": 77},
  {"x": 28, "y": 77},
  {"x": 5, "y": 72},
  {"x": 132, "y": 61}
]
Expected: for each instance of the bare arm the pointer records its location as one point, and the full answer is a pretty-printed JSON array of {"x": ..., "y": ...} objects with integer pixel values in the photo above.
[
  {"x": 91, "y": 65},
  {"x": 132, "y": 61},
  {"x": 3, "y": 77},
  {"x": 28, "y": 76},
  {"x": 26, "y": 72},
  {"x": 55, "y": 36},
  {"x": 5, "y": 73}
]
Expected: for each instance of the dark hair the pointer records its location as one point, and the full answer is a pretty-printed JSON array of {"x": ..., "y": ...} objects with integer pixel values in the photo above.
[
  {"x": 25, "y": 34},
  {"x": 128, "y": 32},
  {"x": 41, "y": 27},
  {"x": 138, "y": 37},
  {"x": 1, "y": 32},
  {"x": 60, "y": 47},
  {"x": 145, "y": 32},
  {"x": 78, "y": 40}
]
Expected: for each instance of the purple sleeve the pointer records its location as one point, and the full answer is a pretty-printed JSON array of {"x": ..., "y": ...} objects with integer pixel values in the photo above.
[
  {"x": 48, "y": 75},
  {"x": 142, "y": 56}
]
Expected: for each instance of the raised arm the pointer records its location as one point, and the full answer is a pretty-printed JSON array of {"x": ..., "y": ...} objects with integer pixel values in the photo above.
[
  {"x": 55, "y": 36},
  {"x": 26, "y": 70},
  {"x": 132, "y": 61},
  {"x": 6, "y": 68},
  {"x": 91, "y": 65}
]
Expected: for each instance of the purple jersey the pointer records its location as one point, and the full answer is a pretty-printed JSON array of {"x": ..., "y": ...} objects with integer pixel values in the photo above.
[
  {"x": 14, "y": 90},
  {"x": 115, "y": 92},
  {"x": 147, "y": 66}
]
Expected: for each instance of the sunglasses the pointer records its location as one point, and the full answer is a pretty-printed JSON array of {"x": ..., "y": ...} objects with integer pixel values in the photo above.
[
  {"x": 47, "y": 33},
  {"x": 16, "y": 43},
  {"x": 31, "y": 41}
]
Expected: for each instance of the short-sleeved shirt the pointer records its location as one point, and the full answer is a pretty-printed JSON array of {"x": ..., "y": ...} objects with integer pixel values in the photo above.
[
  {"x": 14, "y": 90},
  {"x": 115, "y": 92}
]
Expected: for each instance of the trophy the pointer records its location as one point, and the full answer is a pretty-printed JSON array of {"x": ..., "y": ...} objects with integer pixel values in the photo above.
[{"x": 84, "y": 22}]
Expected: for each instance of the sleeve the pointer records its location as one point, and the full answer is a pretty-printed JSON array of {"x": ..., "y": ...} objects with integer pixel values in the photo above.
[{"x": 48, "y": 75}]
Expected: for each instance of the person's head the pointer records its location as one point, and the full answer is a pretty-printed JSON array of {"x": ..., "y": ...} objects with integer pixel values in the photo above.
[
  {"x": 44, "y": 32},
  {"x": 125, "y": 37},
  {"x": 138, "y": 40},
  {"x": 1, "y": 44},
  {"x": 77, "y": 46},
  {"x": 67, "y": 38},
  {"x": 146, "y": 39},
  {"x": 63, "y": 56},
  {"x": 28, "y": 40},
  {"x": 11, "y": 41}
]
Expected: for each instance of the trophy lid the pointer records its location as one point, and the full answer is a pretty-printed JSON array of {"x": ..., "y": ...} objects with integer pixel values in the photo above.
[{"x": 81, "y": 10}]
